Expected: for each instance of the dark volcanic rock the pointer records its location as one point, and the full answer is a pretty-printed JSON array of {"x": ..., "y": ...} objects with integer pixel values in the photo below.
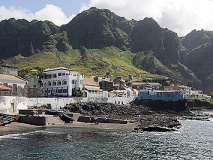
[
  {"x": 158, "y": 122},
  {"x": 146, "y": 117}
]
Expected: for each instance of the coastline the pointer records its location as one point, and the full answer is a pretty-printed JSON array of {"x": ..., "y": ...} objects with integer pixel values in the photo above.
[
  {"x": 139, "y": 118},
  {"x": 18, "y": 128}
]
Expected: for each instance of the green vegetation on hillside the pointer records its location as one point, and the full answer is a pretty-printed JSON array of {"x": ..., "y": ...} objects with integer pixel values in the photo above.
[{"x": 94, "y": 62}]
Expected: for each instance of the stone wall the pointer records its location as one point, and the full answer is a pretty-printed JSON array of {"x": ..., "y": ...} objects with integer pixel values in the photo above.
[
  {"x": 11, "y": 70},
  {"x": 36, "y": 92}
]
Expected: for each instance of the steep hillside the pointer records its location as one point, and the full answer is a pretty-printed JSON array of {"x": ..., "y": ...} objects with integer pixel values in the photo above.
[
  {"x": 88, "y": 62},
  {"x": 97, "y": 41},
  {"x": 200, "y": 56},
  {"x": 148, "y": 35},
  {"x": 95, "y": 28},
  {"x": 196, "y": 38},
  {"x": 177, "y": 72},
  {"x": 21, "y": 36}
]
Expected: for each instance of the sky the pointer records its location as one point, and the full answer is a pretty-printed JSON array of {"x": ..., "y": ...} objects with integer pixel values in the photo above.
[{"x": 180, "y": 16}]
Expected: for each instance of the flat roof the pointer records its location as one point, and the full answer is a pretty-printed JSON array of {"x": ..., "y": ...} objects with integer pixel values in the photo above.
[
  {"x": 165, "y": 91},
  {"x": 57, "y": 68}
]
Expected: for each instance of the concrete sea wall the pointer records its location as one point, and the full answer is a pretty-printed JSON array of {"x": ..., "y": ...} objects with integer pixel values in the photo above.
[{"x": 45, "y": 120}]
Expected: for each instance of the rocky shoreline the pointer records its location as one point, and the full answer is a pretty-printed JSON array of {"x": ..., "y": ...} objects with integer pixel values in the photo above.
[
  {"x": 148, "y": 117},
  {"x": 137, "y": 116}
]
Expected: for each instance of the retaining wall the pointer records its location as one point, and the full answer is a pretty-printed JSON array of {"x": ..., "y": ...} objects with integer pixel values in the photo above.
[{"x": 57, "y": 103}]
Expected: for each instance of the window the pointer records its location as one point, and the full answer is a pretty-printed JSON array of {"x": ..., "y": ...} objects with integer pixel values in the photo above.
[
  {"x": 6, "y": 84},
  {"x": 64, "y": 90},
  {"x": 59, "y": 74},
  {"x": 54, "y": 75},
  {"x": 15, "y": 88},
  {"x": 63, "y": 74},
  {"x": 59, "y": 83},
  {"x": 49, "y": 83},
  {"x": 48, "y": 76},
  {"x": 59, "y": 90},
  {"x": 73, "y": 82},
  {"x": 64, "y": 82},
  {"x": 54, "y": 83}
]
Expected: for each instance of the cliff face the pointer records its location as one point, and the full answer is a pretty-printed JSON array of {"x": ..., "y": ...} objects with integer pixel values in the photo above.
[
  {"x": 147, "y": 35},
  {"x": 199, "y": 56},
  {"x": 27, "y": 38}
]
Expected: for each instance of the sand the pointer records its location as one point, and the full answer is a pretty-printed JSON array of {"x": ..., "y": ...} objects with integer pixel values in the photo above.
[
  {"x": 15, "y": 127},
  {"x": 107, "y": 126}
]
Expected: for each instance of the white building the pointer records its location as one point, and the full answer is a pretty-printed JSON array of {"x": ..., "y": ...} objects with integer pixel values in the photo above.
[
  {"x": 198, "y": 94},
  {"x": 12, "y": 94},
  {"x": 61, "y": 81}
]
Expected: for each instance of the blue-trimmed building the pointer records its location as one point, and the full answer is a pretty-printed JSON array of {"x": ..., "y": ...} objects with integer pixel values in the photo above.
[{"x": 169, "y": 95}]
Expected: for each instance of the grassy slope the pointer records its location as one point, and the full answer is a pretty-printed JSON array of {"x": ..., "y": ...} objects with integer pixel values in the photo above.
[{"x": 98, "y": 62}]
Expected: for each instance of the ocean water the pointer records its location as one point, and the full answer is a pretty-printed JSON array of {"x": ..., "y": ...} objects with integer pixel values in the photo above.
[{"x": 193, "y": 141}]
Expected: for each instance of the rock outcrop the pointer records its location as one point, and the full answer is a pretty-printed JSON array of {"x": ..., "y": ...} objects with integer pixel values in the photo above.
[{"x": 147, "y": 118}]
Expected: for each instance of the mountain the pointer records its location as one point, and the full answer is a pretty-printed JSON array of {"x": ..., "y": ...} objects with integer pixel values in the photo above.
[
  {"x": 200, "y": 56},
  {"x": 148, "y": 35},
  {"x": 97, "y": 41},
  {"x": 95, "y": 28},
  {"x": 196, "y": 38},
  {"x": 27, "y": 38}
]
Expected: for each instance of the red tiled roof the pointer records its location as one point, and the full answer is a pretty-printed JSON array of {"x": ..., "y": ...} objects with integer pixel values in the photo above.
[{"x": 4, "y": 88}]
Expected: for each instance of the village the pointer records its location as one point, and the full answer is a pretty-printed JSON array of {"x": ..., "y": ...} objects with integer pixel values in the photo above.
[{"x": 61, "y": 86}]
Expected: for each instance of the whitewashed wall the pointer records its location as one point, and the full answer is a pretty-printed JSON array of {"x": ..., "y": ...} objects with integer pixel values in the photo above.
[
  {"x": 11, "y": 104},
  {"x": 56, "y": 103},
  {"x": 120, "y": 100}
]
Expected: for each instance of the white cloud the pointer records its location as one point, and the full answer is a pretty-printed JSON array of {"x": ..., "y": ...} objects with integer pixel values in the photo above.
[
  {"x": 52, "y": 13},
  {"x": 13, "y": 12},
  {"x": 181, "y": 16},
  {"x": 49, "y": 12}
]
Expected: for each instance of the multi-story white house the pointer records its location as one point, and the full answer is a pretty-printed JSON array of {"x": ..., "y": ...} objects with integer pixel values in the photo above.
[{"x": 61, "y": 81}]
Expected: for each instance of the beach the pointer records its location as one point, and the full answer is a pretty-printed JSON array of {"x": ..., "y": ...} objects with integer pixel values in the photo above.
[{"x": 16, "y": 127}]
